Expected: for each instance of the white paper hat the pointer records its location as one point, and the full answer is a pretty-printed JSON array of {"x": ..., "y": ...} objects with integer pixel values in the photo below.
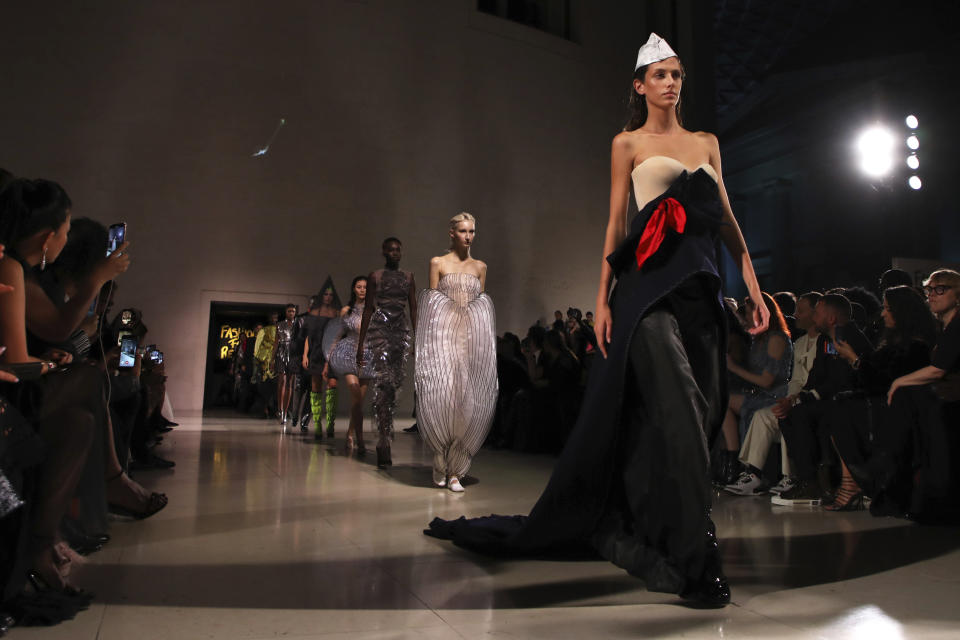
[{"x": 655, "y": 50}]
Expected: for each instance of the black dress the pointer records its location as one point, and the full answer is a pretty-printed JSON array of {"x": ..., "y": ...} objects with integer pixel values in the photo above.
[
  {"x": 632, "y": 484},
  {"x": 313, "y": 328}
]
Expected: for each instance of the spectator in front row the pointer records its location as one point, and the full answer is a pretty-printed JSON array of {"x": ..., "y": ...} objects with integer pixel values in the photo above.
[
  {"x": 855, "y": 424},
  {"x": 802, "y": 415},
  {"x": 763, "y": 429}
]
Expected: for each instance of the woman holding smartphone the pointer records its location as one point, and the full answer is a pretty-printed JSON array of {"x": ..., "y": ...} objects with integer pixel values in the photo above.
[
  {"x": 63, "y": 405},
  {"x": 632, "y": 484}
]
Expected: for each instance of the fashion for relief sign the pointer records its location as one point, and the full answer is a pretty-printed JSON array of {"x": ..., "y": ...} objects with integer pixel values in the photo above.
[{"x": 230, "y": 339}]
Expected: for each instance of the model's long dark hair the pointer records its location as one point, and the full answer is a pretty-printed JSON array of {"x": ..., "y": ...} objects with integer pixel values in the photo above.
[
  {"x": 912, "y": 319},
  {"x": 637, "y": 104},
  {"x": 353, "y": 293}
]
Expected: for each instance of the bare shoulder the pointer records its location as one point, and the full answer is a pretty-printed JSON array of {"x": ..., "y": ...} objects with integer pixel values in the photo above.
[
  {"x": 627, "y": 142},
  {"x": 436, "y": 261},
  {"x": 707, "y": 138},
  {"x": 11, "y": 271}
]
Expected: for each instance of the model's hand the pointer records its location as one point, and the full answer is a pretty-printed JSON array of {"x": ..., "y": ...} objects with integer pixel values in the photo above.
[
  {"x": 603, "y": 327},
  {"x": 305, "y": 362},
  {"x": 761, "y": 315}
]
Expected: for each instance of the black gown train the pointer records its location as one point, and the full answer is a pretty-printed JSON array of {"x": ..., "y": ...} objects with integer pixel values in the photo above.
[{"x": 632, "y": 483}]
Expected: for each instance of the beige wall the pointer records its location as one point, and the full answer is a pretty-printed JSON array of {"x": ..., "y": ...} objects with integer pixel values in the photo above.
[{"x": 398, "y": 115}]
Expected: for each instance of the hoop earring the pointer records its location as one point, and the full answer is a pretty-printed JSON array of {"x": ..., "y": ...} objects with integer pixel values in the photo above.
[{"x": 43, "y": 260}]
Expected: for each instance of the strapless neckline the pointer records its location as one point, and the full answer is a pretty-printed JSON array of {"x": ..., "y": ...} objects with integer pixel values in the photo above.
[
  {"x": 705, "y": 166},
  {"x": 460, "y": 273}
]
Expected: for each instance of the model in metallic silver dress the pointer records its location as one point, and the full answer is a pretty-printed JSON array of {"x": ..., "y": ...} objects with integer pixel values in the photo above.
[
  {"x": 286, "y": 361},
  {"x": 456, "y": 357},
  {"x": 385, "y": 329},
  {"x": 342, "y": 361}
]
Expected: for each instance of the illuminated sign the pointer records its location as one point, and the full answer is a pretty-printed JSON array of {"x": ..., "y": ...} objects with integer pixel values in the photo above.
[{"x": 230, "y": 338}]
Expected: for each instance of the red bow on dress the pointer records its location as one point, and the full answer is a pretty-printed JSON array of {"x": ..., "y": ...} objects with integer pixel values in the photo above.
[{"x": 668, "y": 213}]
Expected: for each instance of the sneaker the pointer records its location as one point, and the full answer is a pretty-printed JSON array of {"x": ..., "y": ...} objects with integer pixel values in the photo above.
[
  {"x": 805, "y": 493},
  {"x": 748, "y": 484},
  {"x": 786, "y": 483}
]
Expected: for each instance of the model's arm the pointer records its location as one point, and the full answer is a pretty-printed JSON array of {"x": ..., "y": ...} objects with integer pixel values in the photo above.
[
  {"x": 733, "y": 240},
  {"x": 368, "y": 309},
  {"x": 412, "y": 302},
  {"x": 621, "y": 163},
  {"x": 435, "y": 271},
  {"x": 483, "y": 276}
]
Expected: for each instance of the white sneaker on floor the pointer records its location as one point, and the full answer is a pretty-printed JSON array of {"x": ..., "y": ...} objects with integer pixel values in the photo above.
[
  {"x": 748, "y": 484},
  {"x": 454, "y": 485},
  {"x": 439, "y": 478},
  {"x": 786, "y": 483}
]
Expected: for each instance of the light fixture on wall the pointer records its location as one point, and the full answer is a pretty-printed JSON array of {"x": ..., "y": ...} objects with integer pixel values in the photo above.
[{"x": 875, "y": 147}]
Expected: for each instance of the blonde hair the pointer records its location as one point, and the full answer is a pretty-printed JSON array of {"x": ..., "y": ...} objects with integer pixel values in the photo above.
[
  {"x": 947, "y": 277},
  {"x": 463, "y": 216}
]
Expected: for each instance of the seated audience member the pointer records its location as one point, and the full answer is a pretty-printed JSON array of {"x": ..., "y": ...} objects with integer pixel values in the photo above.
[
  {"x": 513, "y": 379},
  {"x": 802, "y": 415},
  {"x": 895, "y": 278},
  {"x": 787, "y": 301},
  {"x": 866, "y": 312},
  {"x": 34, "y": 222},
  {"x": 764, "y": 427},
  {"x": 916, "y": 469},
  {"x": 854, "y": 423},
  {"x": 765, "y": 375}
]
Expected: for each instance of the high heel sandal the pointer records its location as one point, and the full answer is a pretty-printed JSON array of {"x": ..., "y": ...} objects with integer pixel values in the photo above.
[
  {"x": 849, "y": 497},
  {"x": 156, "y": 502}
]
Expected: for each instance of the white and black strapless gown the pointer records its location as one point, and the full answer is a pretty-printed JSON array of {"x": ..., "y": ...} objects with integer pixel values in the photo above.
[
  {"x": 632, "y": 484},
  {"x": 456, "y": 370}
]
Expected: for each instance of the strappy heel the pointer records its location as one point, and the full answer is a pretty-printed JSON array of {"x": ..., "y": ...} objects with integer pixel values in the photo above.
[{"x": 849, "y": 498}]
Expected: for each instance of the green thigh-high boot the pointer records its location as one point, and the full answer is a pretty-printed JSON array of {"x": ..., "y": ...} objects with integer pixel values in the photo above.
[
  {"x": 316, "y": 408},
  {"x": 331, "y": 406}
]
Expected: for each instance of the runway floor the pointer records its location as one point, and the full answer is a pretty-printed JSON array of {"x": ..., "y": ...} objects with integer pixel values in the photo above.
[{"x": 270, "y": 535}]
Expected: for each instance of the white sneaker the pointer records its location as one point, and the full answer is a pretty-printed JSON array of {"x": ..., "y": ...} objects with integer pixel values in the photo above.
[
  {"x": 748, "y": 484},
  {"x": 454, "y": 485},
  {"x": 439, "y": 478},
  {"x": 786, "y": 483}
]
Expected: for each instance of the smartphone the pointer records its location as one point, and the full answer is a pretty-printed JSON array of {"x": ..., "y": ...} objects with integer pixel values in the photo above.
[
  {"x": 116, "y": 235},
  {"x": 159, "y": 359},
  {"x": 121, "y": 335},
  {"x": 156, "y": 357},
  {"x": 128, "y": 352},
  {"x": 839, "y": 334},
  {"x": 24, "y": 370}
]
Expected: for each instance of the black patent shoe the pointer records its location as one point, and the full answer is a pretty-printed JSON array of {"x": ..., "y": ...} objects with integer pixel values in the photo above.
[{"x": 708, "y": 593}]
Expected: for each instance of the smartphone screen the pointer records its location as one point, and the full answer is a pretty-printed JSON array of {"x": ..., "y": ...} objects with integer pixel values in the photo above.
[
  {"x": 128, "y": 352},
  {"x": 116, "y": 236}
]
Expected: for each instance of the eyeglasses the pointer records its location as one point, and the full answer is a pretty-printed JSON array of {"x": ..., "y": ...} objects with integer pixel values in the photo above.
[{"x": 938, "y": 289}]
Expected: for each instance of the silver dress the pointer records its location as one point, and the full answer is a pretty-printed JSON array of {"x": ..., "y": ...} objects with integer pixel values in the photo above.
[
  {"x": 388, "y": 339},
  {"x": 456, "y": 370},
  {"x": 343, "y": 354}
]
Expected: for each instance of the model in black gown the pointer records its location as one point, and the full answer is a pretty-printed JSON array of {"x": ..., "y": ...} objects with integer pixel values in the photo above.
[{"x": 632, "y": 483}]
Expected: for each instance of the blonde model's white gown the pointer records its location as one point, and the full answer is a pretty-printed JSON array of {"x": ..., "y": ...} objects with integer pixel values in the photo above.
[{"x": 456, "y": 370}]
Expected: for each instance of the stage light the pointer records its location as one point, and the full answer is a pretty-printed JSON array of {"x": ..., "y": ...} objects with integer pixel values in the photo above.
[
  {"x": 875, "y": 146},
  {"x": 915, "y": 182},
  {"x": 913, "y": 162},
  {"x": 912, "y": 122},
  {"x": 913, "y": 142}
]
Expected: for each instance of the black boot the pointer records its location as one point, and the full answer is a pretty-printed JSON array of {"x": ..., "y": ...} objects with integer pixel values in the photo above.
[
  {"x": 711, "y": 590},
  {"x": 383, "y": 458},
  {"x": 728, "y": 469}
]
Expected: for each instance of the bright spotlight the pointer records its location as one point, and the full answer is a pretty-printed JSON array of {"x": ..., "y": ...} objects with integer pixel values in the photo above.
[
  {"x": 912, "y": 122},
  {"x": 875, "y": 146},
  {"x": 913, "y": 143},
  {"x": 913, "y": 162},
  {"x": 915, "y": 182}
]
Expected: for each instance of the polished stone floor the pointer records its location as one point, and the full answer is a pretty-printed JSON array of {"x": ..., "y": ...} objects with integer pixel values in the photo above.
[{"x": 269, "y": 535}]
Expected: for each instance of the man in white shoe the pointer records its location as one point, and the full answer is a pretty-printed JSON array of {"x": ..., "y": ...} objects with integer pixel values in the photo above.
[{"x": 764, "y": 428}]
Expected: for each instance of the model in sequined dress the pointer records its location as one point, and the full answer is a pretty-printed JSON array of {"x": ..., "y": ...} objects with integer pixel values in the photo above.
[
  {"x": 342, "y": 361},
  {"x": 385, "y": 328},
  {"x": 456, "y": 357}
]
